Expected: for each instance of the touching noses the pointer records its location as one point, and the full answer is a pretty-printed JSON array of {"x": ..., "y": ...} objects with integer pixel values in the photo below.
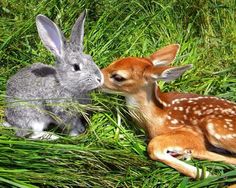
[{"x": 100, "y": 78}]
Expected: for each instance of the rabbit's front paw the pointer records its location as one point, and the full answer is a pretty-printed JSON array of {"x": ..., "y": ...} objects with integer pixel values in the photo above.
[
  {"x": 74, "y": 133},
  {"x": 77, "y": 130},
  {"x": 43, "y": 136},
  {"x": 5, "y": 124}
]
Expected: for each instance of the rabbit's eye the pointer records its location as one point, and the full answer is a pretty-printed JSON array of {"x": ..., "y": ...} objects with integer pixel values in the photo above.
[
  {"x": 118, "y": 78},
  {"x": 76, "y": 67}
]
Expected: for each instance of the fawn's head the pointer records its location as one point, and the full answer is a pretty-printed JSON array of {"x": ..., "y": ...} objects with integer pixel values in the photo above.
[{"x": 131, "y": 74}]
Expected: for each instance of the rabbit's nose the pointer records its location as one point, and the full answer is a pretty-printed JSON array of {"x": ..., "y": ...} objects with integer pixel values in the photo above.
[{"x": 100, "y": 79}]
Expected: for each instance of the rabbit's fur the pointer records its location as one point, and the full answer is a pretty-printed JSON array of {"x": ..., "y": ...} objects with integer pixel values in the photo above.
[{"x": 33, "y": 92}]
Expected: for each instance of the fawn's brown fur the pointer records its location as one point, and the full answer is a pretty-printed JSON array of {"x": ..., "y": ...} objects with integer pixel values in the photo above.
[{"x": 178, "y": 125}]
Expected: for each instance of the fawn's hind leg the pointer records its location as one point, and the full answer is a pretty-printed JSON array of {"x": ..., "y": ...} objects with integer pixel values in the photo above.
[
  {"x": 221, "y": 133},
  {"x": 167, "y": 147},
  {"x": 214, "y": 157}
]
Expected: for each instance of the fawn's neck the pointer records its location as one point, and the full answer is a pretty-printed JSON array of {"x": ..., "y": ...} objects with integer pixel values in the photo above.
[{"x": 147, "y": 110}]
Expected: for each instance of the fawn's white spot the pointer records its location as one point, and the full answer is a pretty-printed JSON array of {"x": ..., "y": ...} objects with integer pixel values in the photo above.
[
  {"x": 228, "y": 136},
  {"x": 174, "y": 121},
  {"x": 210, "y": 128},
  {"x": 181, "y": 108},
  {"x": 182, "y": 122},
  {"x": 204, "y": 107},
  {"x": 187, "y": 110},
  {"x": 163, "y": 103},
  {"x": 209, "y": 111},
  {"x": 176, "y": 108},
  {"x": 198, "y": 112},
  {"x": 176, "y": 101},
  {"x": 229, "y": 124},
  {"x": 217, "y": 136},
  {"x": 185, "y": 117}
]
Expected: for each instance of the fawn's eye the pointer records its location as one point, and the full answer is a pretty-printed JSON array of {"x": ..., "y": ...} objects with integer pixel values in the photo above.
[
  {"x": 118, "y": 78},
  {"x": 76, "y": 67}
]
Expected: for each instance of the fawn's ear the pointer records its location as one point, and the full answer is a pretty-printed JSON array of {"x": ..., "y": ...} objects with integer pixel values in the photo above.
[
  {"x": 170, "y": 74},
  {"x": 165, "y": 56}
]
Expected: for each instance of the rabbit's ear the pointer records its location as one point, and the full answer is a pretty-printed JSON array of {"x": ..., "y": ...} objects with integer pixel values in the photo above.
[
  {"x": 77, "y": 33},
  {"x": 50, "y": 35}
]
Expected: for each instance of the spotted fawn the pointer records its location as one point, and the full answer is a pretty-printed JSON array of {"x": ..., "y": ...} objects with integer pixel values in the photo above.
[{"x": 178, "y": 125}]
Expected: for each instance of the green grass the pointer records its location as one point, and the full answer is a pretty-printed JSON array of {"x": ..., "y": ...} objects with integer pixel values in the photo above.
[{"x": 112, "y": 154}]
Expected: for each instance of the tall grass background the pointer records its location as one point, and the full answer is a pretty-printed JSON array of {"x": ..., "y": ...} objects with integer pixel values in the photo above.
[{"x": 112, "y": 153}]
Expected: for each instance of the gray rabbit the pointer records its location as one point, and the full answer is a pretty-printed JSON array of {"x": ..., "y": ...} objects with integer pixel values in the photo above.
[{"x": 33, "y": 92}]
